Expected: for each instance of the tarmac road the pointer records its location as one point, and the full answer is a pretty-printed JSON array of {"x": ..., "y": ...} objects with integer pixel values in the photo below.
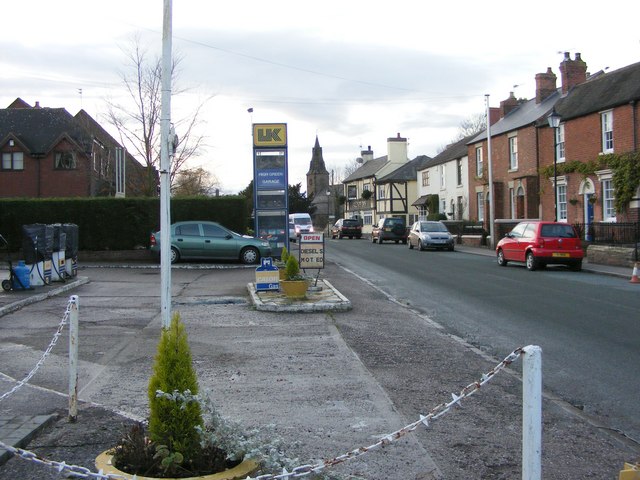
[{"x": 329, "y": 381}]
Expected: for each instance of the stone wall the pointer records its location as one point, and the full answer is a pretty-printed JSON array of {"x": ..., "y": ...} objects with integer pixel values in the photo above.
[{"x": 606, "y": 255}]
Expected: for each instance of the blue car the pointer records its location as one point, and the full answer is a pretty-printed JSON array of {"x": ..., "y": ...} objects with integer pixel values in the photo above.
[{"x": 200, "y": 240}]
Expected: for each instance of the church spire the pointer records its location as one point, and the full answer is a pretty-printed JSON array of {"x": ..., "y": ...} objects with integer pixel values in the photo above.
[{"x": 317, "y": 176}]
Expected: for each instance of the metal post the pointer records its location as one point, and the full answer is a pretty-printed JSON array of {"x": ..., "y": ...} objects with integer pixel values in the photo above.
[
  {"x": 489, "y": 161},
  {"x": 73, "y": 357},
  {"x": 532, "y": 413},
  {"x": 555, "y": 174},
  {"x": 165, "y": 170}
]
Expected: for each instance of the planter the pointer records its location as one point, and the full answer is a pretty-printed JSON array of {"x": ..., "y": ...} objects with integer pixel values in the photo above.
[
  {"x": 282, "y": 274},
  {"x": 240, "y": 471},
  {"x": 294, "y": 288}
]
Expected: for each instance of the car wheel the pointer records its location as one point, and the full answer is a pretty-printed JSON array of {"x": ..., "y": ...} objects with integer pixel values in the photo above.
[
  {"x": 250, "y": 255},
  {"x": 576, "y": 266},
  {"x": 6, "y": 285},
  {"x": 410, "y": 245},
  {"x": 451, "y": 248},
  {"x": 420, "y": 246},
  {"x": 174, "y": 255},
  {"x": 350, "y": 237},
  {"x": 339, "y": 237},
  {"x": 373, "y": 239},
  {"x": 501, "y": 260},
  {"x": 380, "y": 240},
  {"x": 532, "y": 262}
]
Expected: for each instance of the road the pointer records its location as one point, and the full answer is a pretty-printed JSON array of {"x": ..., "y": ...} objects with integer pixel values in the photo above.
[{"x": 588, "y": 325}]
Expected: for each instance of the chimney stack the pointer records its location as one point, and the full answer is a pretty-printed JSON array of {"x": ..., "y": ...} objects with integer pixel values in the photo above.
[
  {"x": 545, "y": 85},
  {"x": 573, "y": 72},
  {"x": 508, "y": 105},
  {"x": 366, "y": 155}
]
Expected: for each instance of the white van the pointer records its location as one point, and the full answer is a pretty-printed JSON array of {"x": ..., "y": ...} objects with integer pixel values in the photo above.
[{"x": 301, "y": 224}]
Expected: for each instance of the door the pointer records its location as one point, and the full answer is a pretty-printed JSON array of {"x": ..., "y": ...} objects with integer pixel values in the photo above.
[
  {"x": 588, "y": 216},
  {"x": 219, "y": 242},
  {"x": 189, "y": 241},
  {"x": 510, "y": 244}
]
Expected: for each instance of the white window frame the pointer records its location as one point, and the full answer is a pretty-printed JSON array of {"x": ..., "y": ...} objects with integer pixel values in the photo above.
[
  {"x": 12, "y": 161},
  {"x": 443, "y": 206},
  {"x": 512, "y": 202},
  {"x": 459, "y": 172},
  {"x": 606, "y": 122},
  {"x": 350, "y": 189},
  {"x": 560, "y": 155},
  {"x": 443, "y": 177},
  {"x": 381, "y": 195},
  {"x": 480, "y": 199},
  {"x": 561, "y": 189},
  {"x": 608, "y": 201},
  {"x": 513, "y": 153},
  {"x": 479, "y": 161}
]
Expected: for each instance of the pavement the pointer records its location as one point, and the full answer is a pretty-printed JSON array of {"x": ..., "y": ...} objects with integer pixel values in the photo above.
[{"x": 206, "y": 306}]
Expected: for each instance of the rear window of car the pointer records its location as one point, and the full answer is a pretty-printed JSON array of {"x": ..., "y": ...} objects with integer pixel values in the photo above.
[
  {"x": 350, "y": 223},
  {"x": 394, "y": 221},
  {"x": 558, "y": 231}
]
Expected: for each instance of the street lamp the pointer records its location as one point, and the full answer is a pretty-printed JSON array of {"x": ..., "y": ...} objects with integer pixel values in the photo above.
[
  {"x": 328, "y": 192},
  {"x": 554, "y": 122}
]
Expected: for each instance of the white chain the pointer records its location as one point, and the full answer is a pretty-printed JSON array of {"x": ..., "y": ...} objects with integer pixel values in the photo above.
[
  {"x": 305, "y": 470},
  {"x": 54, "y": 340}
]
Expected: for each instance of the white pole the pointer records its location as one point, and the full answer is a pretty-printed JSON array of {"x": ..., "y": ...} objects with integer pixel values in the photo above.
[
  {"x": 165, "y": 171},
  {"x": 73, "y": 357},
  {"x": 491, "y": 207},
  {"x": 532, "y": 413}
]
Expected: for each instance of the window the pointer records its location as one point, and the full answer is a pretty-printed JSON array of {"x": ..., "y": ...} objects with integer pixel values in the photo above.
[
  {"x": 381, "y": 191},
  {"x": 562, "y": 203},
  {"x": 529, "y": 231},
  {"x": 12, "y": 161},
  {"x": 213, "y": 230},
  {"x": 367, "y": 218},
  {"x": 425, "y": 178},
  {"x": 189, "y": 229},
  {"x": 479, "y": 161},
  {"x": 442, "y": 176},
  {"x": 64, "y": 160},
  {"x": 560, "y": 143},
  {"x": 367, "y": 187},
  {"x": 607, "y": 131},
  {"x": 459, "y": 172},
  {"x": 352, "y": 192},
  {"x": 608, "y": 200},
  {"x": 480, "y": 196},
  {"x": 443, "y": 206},
  {"x": 513, "y": 153}
]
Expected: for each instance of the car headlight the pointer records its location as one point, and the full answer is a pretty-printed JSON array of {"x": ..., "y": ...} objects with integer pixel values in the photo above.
[{"x": 264, "y": 244}]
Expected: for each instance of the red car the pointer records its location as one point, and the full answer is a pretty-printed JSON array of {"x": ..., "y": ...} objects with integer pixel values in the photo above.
[{"x": 539, "y": 244}]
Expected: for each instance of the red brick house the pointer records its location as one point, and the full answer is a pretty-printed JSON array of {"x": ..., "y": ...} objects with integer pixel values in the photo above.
[
  {"x": 47, "y": 152},
  {"x": 599, "y": 123}
]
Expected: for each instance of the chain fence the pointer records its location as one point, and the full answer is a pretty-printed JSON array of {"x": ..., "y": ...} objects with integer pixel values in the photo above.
[{"x": 74, "y": 471}]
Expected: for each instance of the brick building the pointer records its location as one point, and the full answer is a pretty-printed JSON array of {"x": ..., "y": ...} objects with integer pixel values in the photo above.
[
  {"x": 47, "y": 152},
  {"x": 598, "y": 124}
]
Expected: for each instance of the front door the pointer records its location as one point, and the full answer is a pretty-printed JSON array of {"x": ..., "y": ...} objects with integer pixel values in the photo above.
[{"x": 588, "y": 216}]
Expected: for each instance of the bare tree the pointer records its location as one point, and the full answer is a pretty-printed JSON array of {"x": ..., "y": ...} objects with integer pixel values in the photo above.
[
  {"x": 138, "y": 121},
  {"x": 472, "y": 125},
  {"x": 339, "y": 173},
  {"x": 194, "y": 181}
]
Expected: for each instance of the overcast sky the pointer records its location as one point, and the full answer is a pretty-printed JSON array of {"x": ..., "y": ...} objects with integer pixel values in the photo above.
[{"x": 353, "y": 72}]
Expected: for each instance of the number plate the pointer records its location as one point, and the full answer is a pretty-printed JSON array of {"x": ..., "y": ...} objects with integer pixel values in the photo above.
[{"x": 563, "y": 255}]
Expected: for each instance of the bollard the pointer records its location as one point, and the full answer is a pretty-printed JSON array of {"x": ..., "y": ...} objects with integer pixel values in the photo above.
[
  {"x": 532, "y": 413},
  {"x": 73, "y": 358}
]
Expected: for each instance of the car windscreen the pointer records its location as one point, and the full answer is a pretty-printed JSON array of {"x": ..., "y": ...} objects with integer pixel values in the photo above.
[
  {"x": 302, "y": 221},
  {"x": 433, "y": 227},
  {"x": 559, "y": 231}
]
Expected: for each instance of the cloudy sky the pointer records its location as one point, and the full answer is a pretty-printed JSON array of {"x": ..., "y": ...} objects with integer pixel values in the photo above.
[{"x": 353, "y": 72}]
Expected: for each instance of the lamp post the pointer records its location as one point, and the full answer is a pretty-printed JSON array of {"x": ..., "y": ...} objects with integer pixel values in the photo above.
[
  {"x": 328, "y": 192},
  {"x": 554, "y": 122}
]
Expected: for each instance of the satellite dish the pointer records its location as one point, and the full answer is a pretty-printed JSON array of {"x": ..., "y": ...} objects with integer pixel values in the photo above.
[{"x": 359, "y": 160}]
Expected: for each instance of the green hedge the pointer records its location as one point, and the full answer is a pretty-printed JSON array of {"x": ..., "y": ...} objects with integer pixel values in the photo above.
[{"x": 117, "y": 223}]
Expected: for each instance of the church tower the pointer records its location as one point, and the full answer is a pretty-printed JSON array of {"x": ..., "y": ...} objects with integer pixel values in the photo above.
[{"x": 317, "y": 176}]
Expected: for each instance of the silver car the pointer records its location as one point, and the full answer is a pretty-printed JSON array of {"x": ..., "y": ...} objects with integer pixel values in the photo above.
[{"x": 431, "y": 234}]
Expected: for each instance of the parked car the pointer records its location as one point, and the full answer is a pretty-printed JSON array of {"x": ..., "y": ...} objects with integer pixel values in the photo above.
[
  {"x": 346, "y": 227},
  {"x": 431, "y": 234},
  {"x": 211, "y": 241},
  {"x": 391, "y": 228},
  {"x": 539, "y": 243}
]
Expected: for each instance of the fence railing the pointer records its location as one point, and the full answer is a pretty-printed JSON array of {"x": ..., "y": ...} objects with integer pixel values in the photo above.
[{"x": 610, "y": 233}]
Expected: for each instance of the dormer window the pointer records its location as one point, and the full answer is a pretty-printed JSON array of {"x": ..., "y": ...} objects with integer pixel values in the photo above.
[{"x": 65, "y": 161}]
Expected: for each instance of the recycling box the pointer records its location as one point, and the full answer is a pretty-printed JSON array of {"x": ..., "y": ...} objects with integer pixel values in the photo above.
[
  {"x": 71, "y": 250},
  {"x": 37, "y": 247},
  {"x": 59, "y": 269}
]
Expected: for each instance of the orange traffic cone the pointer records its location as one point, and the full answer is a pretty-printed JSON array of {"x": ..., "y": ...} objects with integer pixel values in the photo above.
[{"x": 634, "y": 275}]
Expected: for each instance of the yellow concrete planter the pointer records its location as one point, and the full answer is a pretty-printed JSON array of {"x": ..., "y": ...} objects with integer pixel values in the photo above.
[
  {"x": 282, "y": 274},
  {"x": 241, "y": 471},
  {"x": 294, "y": 288}
]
